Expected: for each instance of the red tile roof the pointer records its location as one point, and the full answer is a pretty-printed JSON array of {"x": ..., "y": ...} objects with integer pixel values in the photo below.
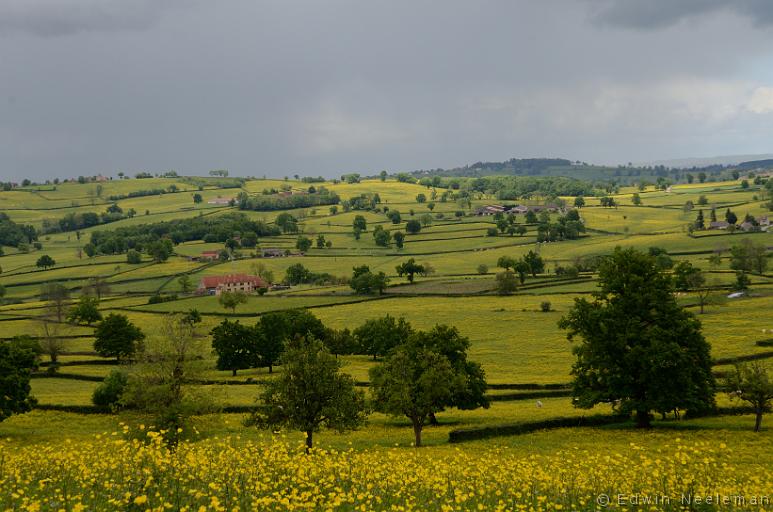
[{"x": 214, "y": 281}]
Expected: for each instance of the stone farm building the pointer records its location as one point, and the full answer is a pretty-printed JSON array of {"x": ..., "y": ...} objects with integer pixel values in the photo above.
[
  {"x": 221, "y": 201},
  {"x": 215, "y": 285},
  {"x": 494, "y": 209}
]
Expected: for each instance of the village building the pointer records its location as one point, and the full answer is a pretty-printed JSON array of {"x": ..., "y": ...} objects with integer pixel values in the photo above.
[
  {"x": 221, "y": 201},
  {"x": 273, "y": 253},
  {"x": 215, "y": 285},
  {"x": 719, "y": 224}
]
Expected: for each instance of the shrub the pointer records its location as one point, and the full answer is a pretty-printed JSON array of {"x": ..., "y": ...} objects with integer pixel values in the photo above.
[
  {"x": 133, "y": 257},
  {"x": 545, "y": 307},
  {"x": 108, "y": 394}
]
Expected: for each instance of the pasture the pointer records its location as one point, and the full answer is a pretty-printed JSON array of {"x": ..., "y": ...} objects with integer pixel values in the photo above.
[{"x": 516, "y": 342}]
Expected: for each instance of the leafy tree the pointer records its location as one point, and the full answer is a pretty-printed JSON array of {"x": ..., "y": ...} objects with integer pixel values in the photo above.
[
  {"x": 749, "y": 257},
  {"x": 752, "y": 383},
  {"x": 312, "y": 392},
  {"x": 90, "y": 250},
  {"x": 17, "y": 360},
  {"x": 636, "y": 199},
  {"x": 535, "y": 263},
  {"x": 365, "y": 282},
  {"x": 409, "y": 269},
  {"x": 86, "y": 311},
  {"x": 579, "y": 202},
  {"x": 297, "y": 274},
  {"x": 236, "y": 346},
  {"x": 287, "y": 223},
  {"x": 447, "y": 341},
  {"x": 360, "y": 223},
  {"x": 421, "y": 198},
  {"x": 506, "y": 282},
  {"x": 394, "y": 216},
  {"x": 506, "y": 262},
  {"x": 116, "y": 336},
  {"x": 413, "y": 226},
  {"x": 197, "y": 198},
  {"x": 303, "y": 244},
  {"x": 482, "y": 269},
  {"x": 276, "y": 329},
  {"x": 160, "y": 250},
  {"x": 382, "y": 237},
  {"x": 133, "y": 257},
  {"x": 320, "y": 241},
  {"x": 340, "y": 342},
  {"x": 638, "y": 347},
  {"x": 107, "y": 395},
  {"x": 377, "y": 336},
  {"x": 699, "y": 223},
  {"x": 45, "y": 262},
  {"x": 522, "y": 269},
  {"x": 231, "y": 300},
  {"x": 399, "y": 238},
  {"x": 192, "y": 317},
  {"x": 415, "y": 382},
  {"x": 186, "y": 285}
]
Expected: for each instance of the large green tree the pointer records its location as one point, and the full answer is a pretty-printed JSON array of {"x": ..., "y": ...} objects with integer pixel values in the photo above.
[
  {"x": 752, "y": 383},
  {"x": 276, "y": 329},
  {"x": 86, "y": 311},
  {"x": 236, "y": 346},
  {"x": 637, "y": 347},
  {"x": 446, "y": 341},
  {"x": 116, "y": 336},
  {"x": 377, "y": 336},
  {"x": 312, "y": 392},
  {"x": 409, "y": 269},
  {"x": 415, "y": 382},
  {"x": 17, "y": 360}
]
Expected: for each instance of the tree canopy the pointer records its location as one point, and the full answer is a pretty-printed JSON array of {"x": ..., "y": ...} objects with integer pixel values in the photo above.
[{"x": 637, "y": 347}]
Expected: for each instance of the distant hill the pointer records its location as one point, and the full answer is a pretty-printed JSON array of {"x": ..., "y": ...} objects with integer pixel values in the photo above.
[
  {"x": 696, "y": 162},
  {"x": 566, "y": 168},
  {"x": 756, "y": 164}
]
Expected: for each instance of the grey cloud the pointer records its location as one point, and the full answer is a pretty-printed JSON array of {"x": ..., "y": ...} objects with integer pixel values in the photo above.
[
  {"x": 656, "y": 14},
  {"x": 278, "y": 87},
  {"x": 50, "y": 18}
]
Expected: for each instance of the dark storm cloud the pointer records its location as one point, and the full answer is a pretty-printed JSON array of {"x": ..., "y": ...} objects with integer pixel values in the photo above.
[
  {"x": 653, "y": 14},
  {"x": 324, "y": 87},
  {"x": 51, "y": 18}
]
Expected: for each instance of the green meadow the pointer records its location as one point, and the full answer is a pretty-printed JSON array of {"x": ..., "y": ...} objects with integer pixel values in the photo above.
[{"x": 514, "y": 340}]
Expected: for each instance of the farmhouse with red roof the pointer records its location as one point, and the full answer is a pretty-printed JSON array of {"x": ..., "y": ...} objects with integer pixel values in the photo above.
[{"x": 215, "y": 285}]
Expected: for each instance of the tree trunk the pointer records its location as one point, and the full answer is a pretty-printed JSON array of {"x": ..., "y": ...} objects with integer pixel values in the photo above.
[
  {"x": 270, "y": 368},
  {"x": 233, "y": 372},
  {"x": 643, "y": 419},
  {"x": 758, "y": 420},
  {"x": 417, "y": 432},
  {"x": 433, "y": 419},
  {"x": 309, "y": 441}
]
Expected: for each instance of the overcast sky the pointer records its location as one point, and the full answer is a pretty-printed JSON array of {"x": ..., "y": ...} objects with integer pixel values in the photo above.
[{"x": 333, "y": 86}]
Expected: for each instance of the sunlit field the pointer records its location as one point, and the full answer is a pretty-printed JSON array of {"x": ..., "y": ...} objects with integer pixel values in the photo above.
[{"x": 68, "y": 455}]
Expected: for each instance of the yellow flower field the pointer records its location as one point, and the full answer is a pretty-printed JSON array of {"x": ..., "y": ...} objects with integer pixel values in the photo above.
[{"x": 109, "y": 472}]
